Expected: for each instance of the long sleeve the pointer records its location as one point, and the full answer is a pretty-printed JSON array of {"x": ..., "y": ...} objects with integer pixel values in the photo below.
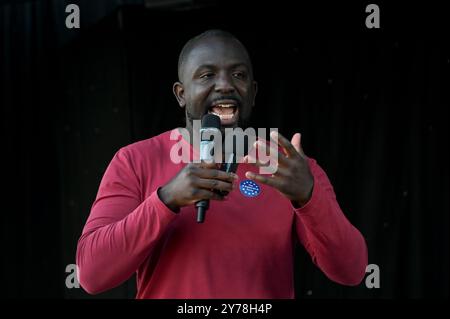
[
  {"x": 121, "y": 230},
  {"x": 334, "y": 244}
]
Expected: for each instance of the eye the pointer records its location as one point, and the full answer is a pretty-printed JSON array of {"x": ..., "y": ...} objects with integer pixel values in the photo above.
[
  {"x": 206, "y": 75},
  {"x": 240, "y": 75}
]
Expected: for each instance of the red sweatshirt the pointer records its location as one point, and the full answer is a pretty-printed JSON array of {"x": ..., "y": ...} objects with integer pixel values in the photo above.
[{"x": 244, "y": 249}]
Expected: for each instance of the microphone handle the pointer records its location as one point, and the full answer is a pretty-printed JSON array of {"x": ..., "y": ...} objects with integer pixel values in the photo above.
[
  {"x": 202, "y": 207},
  {"x": 230, "y": 166}
]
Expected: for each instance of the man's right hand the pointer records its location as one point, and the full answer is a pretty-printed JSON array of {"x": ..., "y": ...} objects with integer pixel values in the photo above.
[{"x": 196, "y": 181}]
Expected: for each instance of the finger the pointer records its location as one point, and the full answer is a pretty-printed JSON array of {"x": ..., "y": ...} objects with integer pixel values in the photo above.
[
  {"x": 296, "y": 142},
  {"x": 213, "y": 184},
  {"x": 212, "y": 173},
  {"x": 285, "y": 144},
  {"x": 202, "y": 164},
  {"x": 200, "y": 194},
  {"x": 265, "y": 166},
  {"x": 282, "y": 171},
  {"x": 274, "y": 153},
  {"x": 274, "y": 169},
  {"x": 207, "y": 164},
  {"x": 271, "y": 181}
]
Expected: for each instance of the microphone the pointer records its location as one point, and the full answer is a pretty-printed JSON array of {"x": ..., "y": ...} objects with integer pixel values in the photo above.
[
  {"x": 238, "y": 148},
  {"x": 210, "y": 127},
  {"x": 229, "y": 166}
]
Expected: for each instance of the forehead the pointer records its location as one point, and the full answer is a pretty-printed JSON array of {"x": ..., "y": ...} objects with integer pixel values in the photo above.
[{"x": 217, "y": 51}]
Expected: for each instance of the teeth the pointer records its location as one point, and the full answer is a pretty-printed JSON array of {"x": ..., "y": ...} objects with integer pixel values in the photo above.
[
  {"x": 225, "y": 105},
  {"x": 222, "y": 116},
  {"x": 226, "y": 111}
]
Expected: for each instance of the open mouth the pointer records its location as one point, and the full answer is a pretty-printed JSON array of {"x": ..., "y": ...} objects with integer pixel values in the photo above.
[{"x": 227, "y": 110}]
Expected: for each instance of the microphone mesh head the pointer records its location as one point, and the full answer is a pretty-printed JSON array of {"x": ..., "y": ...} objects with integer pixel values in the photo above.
[{"x": 211, "y": 120}]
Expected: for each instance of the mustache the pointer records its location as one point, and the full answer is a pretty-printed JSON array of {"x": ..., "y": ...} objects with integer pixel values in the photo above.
[{"x": 226, "y": 97}]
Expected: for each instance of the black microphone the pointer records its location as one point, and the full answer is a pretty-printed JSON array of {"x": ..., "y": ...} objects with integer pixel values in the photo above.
[
  {"x": 230, "y": 166},
  {"x": 238, "y": 147},
  {"x": 210, "y": 127}
]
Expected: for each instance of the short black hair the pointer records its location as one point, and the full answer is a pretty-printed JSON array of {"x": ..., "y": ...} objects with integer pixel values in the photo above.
[{"x": 209, "y": 33}]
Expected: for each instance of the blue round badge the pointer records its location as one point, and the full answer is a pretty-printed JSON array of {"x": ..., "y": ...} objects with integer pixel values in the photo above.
[{"x": 249, "y": 188}]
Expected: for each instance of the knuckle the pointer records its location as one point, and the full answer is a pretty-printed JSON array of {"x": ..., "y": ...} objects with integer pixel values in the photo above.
[
  {"x": 189, "y": 169},
  {"x": 214, "y": 183},
  {"x": 194, "y": 192},
  {"x": 192, "y": 181}
]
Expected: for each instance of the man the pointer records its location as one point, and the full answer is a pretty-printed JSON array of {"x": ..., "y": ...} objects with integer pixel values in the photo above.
[{"x": 143, "y": 219}]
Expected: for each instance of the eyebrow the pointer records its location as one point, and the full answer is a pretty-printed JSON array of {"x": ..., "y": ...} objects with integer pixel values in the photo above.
[
  {"x": 205, "y": 66},
  {"x": 212, "y": 66}
]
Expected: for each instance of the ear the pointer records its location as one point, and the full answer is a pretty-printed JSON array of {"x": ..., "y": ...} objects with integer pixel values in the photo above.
[
  {"x": 255, "y": 90},
  {"x": 178, "y": 91}
]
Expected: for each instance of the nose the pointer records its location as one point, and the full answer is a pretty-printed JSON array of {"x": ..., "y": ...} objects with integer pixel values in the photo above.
[{"x": 224, "y": 84}]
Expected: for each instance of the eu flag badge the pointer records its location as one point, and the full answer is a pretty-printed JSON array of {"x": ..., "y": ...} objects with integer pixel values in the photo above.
[{"x": 249, "y": 188}]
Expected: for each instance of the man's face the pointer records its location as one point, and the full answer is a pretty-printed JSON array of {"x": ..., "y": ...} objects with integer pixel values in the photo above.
[{"x": 216, "y": 78}]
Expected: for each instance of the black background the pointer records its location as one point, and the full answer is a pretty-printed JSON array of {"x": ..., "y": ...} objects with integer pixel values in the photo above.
[{"x": 371, "y": 105}]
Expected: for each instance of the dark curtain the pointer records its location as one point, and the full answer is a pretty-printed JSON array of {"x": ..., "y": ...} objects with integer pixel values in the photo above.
[{"x": 370, "y": 104}]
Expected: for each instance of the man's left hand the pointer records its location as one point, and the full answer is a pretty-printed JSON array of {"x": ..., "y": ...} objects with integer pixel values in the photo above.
[{"x": 293, "y": 177}]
